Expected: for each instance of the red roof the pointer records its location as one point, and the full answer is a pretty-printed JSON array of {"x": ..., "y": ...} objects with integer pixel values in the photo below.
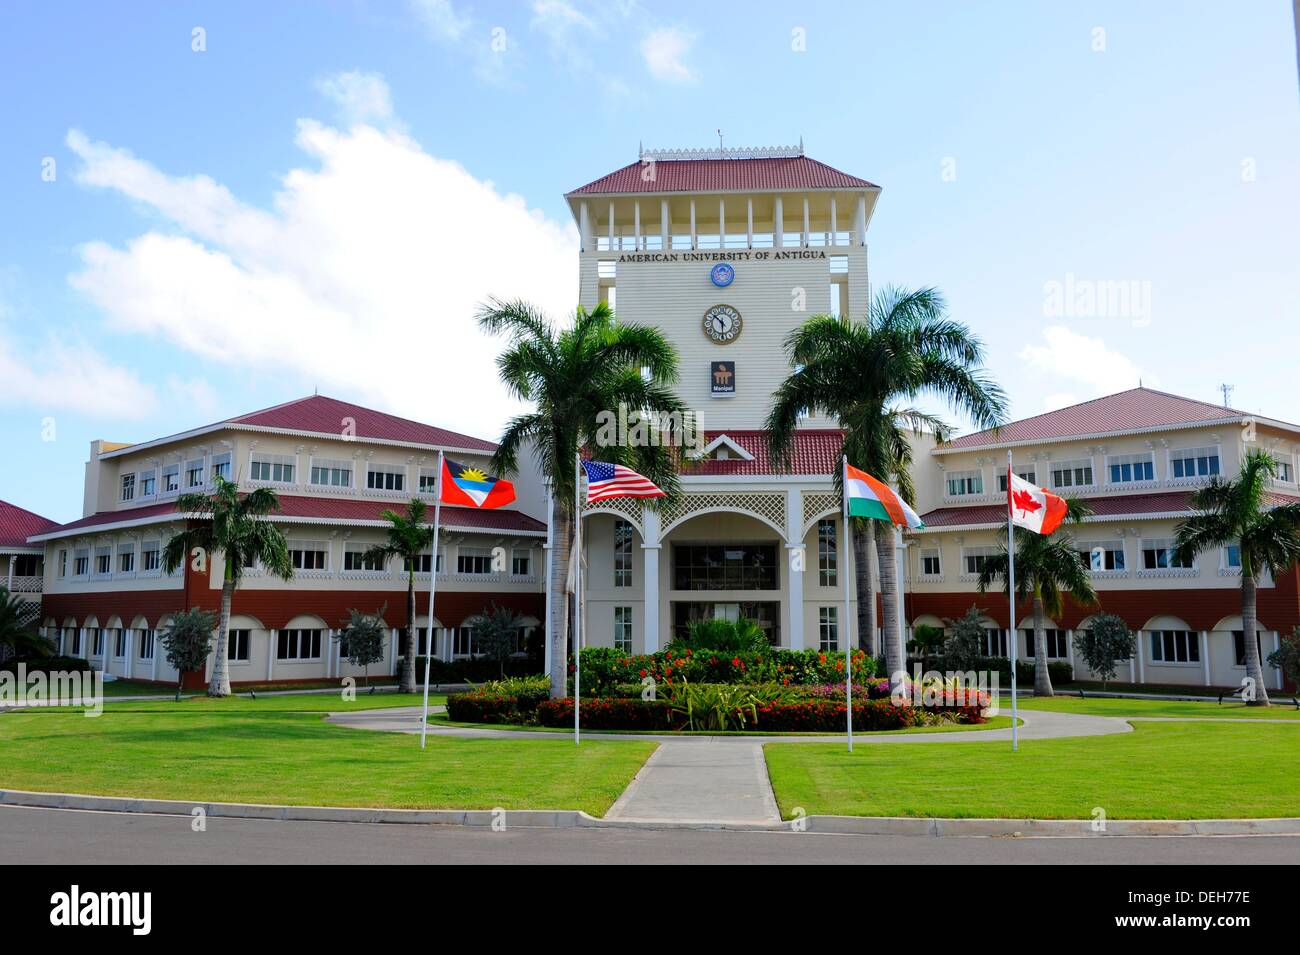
[
  {"x": 324, "y": 508},
  {"x": 323, "y": 415},
  {"x": 723, "y": 175},
  {"x": 816, "y": 451},
  {"x": 1135, "y": 410},
  {"x": 1127, "y": 505},
  {"x": 17, "y": 524}
]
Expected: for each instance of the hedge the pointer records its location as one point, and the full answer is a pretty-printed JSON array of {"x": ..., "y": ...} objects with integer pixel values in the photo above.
[
  {"x": 608, "y": 714},
  {"x": 604, "y": 668},
  {"x": 47, "y": 664},
  {"x": 1059, "y": 670}
]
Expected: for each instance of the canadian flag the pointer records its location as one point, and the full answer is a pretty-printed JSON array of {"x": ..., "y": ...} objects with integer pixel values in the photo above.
[{"x": 1031, "y": 507}]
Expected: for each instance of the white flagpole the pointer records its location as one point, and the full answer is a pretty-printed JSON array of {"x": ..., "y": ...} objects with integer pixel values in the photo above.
[
  {"x": 577, "y": 596},
  {"x": 843, "y": 563},
  {"x": 433, "y": 590},
  {"x": 1013, "y": 643}
]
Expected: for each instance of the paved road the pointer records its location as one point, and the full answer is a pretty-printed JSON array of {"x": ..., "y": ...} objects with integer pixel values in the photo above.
[{"x": 71, "y": 837}]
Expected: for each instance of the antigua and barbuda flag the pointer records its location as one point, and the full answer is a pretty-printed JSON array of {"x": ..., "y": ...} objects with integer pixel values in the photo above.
[
  {"x": 471, "y": 487},
  {"x": 1031, "y": 507},
  {"x": 877, "y": 500}
]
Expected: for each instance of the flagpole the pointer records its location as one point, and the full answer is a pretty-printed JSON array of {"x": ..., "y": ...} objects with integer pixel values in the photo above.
[
  {"x": 1013, "y": 644},
  {"x": 433, "y": 590},
  {"x": 844, "y": 572},
  {"x": 577, "y": 595}
]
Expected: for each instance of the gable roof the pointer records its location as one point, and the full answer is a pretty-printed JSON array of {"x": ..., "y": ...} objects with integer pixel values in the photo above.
[
  {"x": 816, "y": 452},
  {"x": 1135, "y": 410},
  {"x": 17, "y": 524},
  {"x": 724, "y": 175},
  {"x": 325, "y": 416}
]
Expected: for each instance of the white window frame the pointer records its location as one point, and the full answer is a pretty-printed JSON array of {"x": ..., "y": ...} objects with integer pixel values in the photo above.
[
  {"x": 1190, "y": 644},
  {"x": 151, "y": 475},
  {"x": 332, "y": 464},
  {"x": 1192, "y": 454},
  {"x": 623, "y": 629},
  {"x": 126, "y": 488},
  {"x": 828, "y": 629},
  {"x": 984, "y": 550},
  {"x": 931, "y": 553},
  {"x": 257, "y": 460},
  {"x": 1073, "y": 465},
  {"x": 971, "y": 476},
  {"x": 995, "y": 639},
  {"x": 357, "y": 550},
  {"x": 398, "y": 472},
  {"x": 1285, "y": 460},
  {"x": 1131, "y": 458},
  {"x": 231, "y": 643},
  {"x": 95, "y": 572},
  {"x": 624, "y": 541},
  {"x": 1087, "y": 547},
  {"x": 169, "y": 470},
  {"x": 1026, "y": 472},
  {"x": 1056, "y": 635},
  {"x": 1167, "y": 545},
  {"x": 828, "y": 552},
  {"x": 147, "y": 547},
  {"x": 78, "y": 555},
  {"x": 125, "y": 551},
  {"x": 310, "y": 546},
  {"x": 516, "y": 554},
  {"x": 146, "y": 641},
  {"x": 214, "y": 463},
  {"x": 61, "y": 563},
  {"x": 195, "y": 464},
  {"x": 297, "y": 644},
  {"x": 476, "y": 554}
]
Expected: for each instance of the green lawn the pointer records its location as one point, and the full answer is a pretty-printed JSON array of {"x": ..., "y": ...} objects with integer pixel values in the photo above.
[
  {"x": 994, "y": 723},
  {"x": 278, "y": 756},
  {"x": 1159, "y": 771},
  {"x": 128, "y": 688},
  {"x": 1108, "y": 706},
  {"x": 288, "y": 703}
]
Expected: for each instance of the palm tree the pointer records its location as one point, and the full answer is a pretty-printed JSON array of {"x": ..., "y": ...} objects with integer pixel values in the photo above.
[
  {"x": 1238, "y": 512},
  {"x": 865, "y": 374},
  {"x": 17, "y": 638},
  {"x": 408, "y": 536},
  {"x": 1048, "y": 567},
  {"x": 235, "y": 527},
  {"x": 576, "y": 376}
]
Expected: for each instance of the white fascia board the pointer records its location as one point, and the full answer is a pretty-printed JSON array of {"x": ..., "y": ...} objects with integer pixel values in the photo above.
[
  {"x": 1235, "y": 420},
  {"x": 306, "y": 435},
  {"x": 1090, "y": 519}
]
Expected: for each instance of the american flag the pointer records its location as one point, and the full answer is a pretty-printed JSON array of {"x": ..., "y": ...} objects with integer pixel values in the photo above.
[{"x": 614, "y": 480}]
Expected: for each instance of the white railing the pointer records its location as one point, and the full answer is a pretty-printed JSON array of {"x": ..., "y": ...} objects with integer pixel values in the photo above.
[{"x": 27, "y": 585}]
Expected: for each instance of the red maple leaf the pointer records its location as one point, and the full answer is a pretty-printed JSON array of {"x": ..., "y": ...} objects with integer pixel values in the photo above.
[{"x": 1024, "y": 501}]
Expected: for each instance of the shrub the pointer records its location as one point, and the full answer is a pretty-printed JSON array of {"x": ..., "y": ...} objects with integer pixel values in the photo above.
[
  {"x": 964, "y": 647},
  {"x": 604, "y": 668},
  {"x": 1108, "y": 640},
  {"x": 473, "y": 670},
  {"x": 608, "y": 714},
  {"x": 45, "y": 664},
  {"x": 722, "y": 636}
]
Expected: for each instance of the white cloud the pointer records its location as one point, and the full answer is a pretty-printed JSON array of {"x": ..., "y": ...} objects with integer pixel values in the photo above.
[
  {"x": 1059, "y": 399},
  {"x": 1066, "y": 356},
  {"x": 62, "y": 376},
  {"x": 361, "y": 97},
  {"x": 565, "y": 27},
  {"x": 663, "y": 51},
  {"x": 193, "y": 393},
  {"x": 363, "y": 276},
  {"x": 442, "y": 19}
]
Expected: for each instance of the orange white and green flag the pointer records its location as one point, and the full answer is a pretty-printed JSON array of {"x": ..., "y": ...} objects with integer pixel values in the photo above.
[{"x": 874, "y": 499}]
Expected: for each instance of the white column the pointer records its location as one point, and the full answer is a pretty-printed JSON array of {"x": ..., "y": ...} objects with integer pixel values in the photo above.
[
  {"x": 793, "y": 542},
  {"x": 1205, "y": 654},
  {"x": 611, "y": 224},
  {"x": 584, "y": 226},
  {"x": 10, "y": 587},
  {"x": 636, "y": 223},
  {"x": 331, "y": 654},
  {"x": 834, "y": 226},
  {"x": 130, "y": 652},
  {"x": 694, "y": 244},
  {"x": 778, "y": 224},
  {"x": 153, "y": 661},
  {"x": 550, "y": 528},
  {"x": 650, "y": 551},
  {"x": 805, "y": 222},
  {"x": 1069, "y": 651},
  {"x": 1137, "y": 648},
  {"x": 665, "y": 233},
  {"x": 107, "y": 651},
  {"x": 1141, "y": 669},
  {"x": 722, "y": 223},
  {"x": 270, "y": 653},
  {"x": 749, "y": 223},
  {"x": 1277, "y": 645},
  {"x": 860, "y": 221}
]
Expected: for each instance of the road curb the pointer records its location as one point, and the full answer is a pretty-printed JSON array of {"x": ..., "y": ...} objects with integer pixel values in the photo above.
[{"x": 575, "y": 819}]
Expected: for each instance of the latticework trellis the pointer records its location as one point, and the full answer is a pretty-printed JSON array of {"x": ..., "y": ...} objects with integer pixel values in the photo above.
[
  {"x": 768, "y": 506},
  {"x": 817, "y": 504},
  {"x": 629, "y": 507}
]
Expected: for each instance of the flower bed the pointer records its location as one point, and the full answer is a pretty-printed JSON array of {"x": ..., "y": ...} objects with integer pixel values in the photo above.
[
  {"x": 604, "y": 668},
  {"x": 608, "y": 714}
]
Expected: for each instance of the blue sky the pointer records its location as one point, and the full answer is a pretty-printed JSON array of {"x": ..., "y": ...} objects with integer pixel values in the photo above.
[{"x": 317, "y": 198}]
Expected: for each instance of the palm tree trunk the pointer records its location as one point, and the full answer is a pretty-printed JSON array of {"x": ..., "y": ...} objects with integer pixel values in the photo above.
[
  {"x": 1250, "y": 640},
  {"x": 219, "y": 685},
  {"x": 1042, "y": 679},
  {"x": 408, "y": 652},
  {"x": 892, "y": 635},
  {"x": 864, "y": 536},
  {"x": 558, "y": 625}
]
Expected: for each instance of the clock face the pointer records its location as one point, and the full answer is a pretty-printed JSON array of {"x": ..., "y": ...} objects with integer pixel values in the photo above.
[{"x": 722, "y": 324}]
